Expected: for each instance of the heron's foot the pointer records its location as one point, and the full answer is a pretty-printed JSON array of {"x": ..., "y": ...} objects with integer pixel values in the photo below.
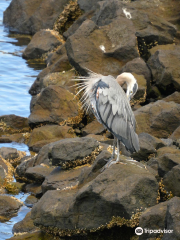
[{"x": 111, "y": 162}]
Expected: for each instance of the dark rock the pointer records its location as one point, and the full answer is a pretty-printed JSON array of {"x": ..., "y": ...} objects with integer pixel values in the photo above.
[
  {"x": 173, "y": 219},
  {"x": 164, "y": 163},
  {"x": 89, "y": 173},
  {"x": 26, "y": 225},
  {"x": 29, "y": 17},
  {"x": 53, "y": 105},
  {"x": 56, "y": 62},
  {"x": 87, "y": 5},
  {"x": 46, "y": 134},
  {"x": 6, "y": 170},
  {"x": 9, "y": 153},
  {"x": 21, "y": 169},
  {"x": 30, "y": 201},
  {"x": 44, "y": 155},
  {"x": 153, "y": 218},
  {"x": 171, "y": 181},
  {"x": 148, "y": 146},
  {"x": 38, "y": 173},
  {"x": 159, "y": 119},
  {"x": 12, "y": 124},
  {"x": 118, "y": 191},
  {"x": 93, "y": 128},
  {"x": 139, "y": 67},
  {"x": 94, "y": 39},
  {"x": 176, "y": 134},
  {"x": 71, "y": 149},
  {"x": 167, "y": 141},
  {"x": 59, "y": 179},
  {"x": 34, "y": 189},
  {"x": 175, "y": 97},
  {"x": 42, "y": 42},
  {"x": 164, "y": 66},
  {"x": 140, "y": 96},
  {"x": 8, "y": 207}
]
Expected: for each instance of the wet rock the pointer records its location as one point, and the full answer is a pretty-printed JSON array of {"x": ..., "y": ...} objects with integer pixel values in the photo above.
[
  {"x": 26, "y": 225},
  {"x": 57, "y": 62},
  {"x": 164, "y": 66},
  {"x": 13, "y": 124},
  {"x": 68, "y": 150},
  {"x": 42, "y": 42},
  {"x": 30, "y": 201},
  {"x": 173, "y": 219},
  {"x": 24, "y": 17},
  {"x": 8, "y": 207},
  {"x": 9, "y": 153},
  {"x": 99, "y": 49},
  {"x": 53, "y": 105},
  {"x": 34, "y": 189},
  {"x": 38, "y": 173},
  {"x": 118, "y": 191},
  {"x": 148, "y": 146},
  {"x": 153, "y": 218},
  {"x": 93, "y": 128},
  {"x": 46, "y": 134},
  {"x": 139, "y": 67},
  {"x": 171, "y": 181},
  {"x": 159, "y": 119},
  {"x": 60, "y": 179}
]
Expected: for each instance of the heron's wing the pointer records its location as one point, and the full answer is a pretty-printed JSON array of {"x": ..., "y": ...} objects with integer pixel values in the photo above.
[{"x": 115, "y": 112}]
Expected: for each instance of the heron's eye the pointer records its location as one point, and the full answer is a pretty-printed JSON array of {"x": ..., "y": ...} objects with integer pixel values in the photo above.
[{"x": 130, "y": 91}]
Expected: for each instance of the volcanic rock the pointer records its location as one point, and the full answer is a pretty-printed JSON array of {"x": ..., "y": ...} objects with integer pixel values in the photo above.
[
  {"x": 54, "y": 104},
  {"x": 118, "y": 191},
  {"x": 42, "y": 42}
]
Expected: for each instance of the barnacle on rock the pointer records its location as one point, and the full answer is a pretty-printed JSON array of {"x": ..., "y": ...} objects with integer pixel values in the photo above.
[
  {"x": 70, "y": 13},
  {"x": 78, "y": 162},
  {"x": 115, "y": 222},
  {"x": 163, "y": 195}
]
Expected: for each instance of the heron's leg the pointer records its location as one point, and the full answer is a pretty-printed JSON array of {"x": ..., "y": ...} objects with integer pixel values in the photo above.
[{"x": 114, "y": 145}]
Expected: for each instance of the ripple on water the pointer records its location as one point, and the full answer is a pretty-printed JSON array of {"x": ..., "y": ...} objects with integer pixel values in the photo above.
[{"x": 16, "y": 75}]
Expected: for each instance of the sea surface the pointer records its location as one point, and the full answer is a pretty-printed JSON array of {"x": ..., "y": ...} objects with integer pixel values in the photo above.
[
  {"x": 16, "y": 77},
  {"x": 16, "y": 73}
]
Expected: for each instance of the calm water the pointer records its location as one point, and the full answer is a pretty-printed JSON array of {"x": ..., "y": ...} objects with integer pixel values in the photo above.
[{"x": 16, "y": 76}]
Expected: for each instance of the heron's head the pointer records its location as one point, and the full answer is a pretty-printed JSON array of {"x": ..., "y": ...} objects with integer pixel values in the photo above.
[{"x": 131, "y": 82}]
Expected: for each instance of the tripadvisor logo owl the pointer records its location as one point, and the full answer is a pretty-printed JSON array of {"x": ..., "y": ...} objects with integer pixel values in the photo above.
[{"x": 139, "y": 231}]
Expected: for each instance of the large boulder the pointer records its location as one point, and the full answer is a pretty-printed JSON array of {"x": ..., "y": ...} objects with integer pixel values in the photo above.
[
  {"x": 171, "y": 181},
  {"x": 26, "y": 225},
  {"x": 8, "y": 207},
  {"x": 68, "y": 150},
  {"x": 13, "y": 124},
  {"x": 164, "y": 64},
  {"x": 54, "y": 104},
  {"x": 46, "y": 134},
  {"x": 27, "y": 17},
  {"x": 57, "y": 62},
  {"x": 159, "y": 119},
  {"x": 42, "y": 42},
  {"x": 118, "y": 191},
  {"x": 100, "y": 50}
]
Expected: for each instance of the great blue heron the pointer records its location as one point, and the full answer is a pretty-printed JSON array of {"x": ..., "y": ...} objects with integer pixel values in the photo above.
[{"x": 111, "y": 107}]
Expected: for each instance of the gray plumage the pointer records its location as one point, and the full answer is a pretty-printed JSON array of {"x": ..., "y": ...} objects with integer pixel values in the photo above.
[{"x": 110, "y": 105}]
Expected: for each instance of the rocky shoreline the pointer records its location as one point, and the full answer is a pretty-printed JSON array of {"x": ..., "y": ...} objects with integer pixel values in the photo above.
[{"x": 71, "y": 198}]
